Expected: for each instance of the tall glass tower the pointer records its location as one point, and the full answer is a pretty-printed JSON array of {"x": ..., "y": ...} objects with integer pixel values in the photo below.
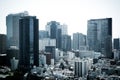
[
  {"x": 29, "y": 40},
  {"x": 55, "y": 32},
  {"x": 12, "y": 23},
  {"x": 66, "y": 43},
  {"x": 79, "y": 40},
  {"x": 99, "y": 36},
  {"x": 116, "y": 43}
]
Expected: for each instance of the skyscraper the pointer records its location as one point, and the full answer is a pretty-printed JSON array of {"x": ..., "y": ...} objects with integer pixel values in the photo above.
[
  {"x": 99, "y": 36},
  {"x": 55, "y": 32},
  {"x": 64, "y": 29},
  {"x": 12, "y": 23},
  {"x": 66, "y": 42},
  {"x": 29, "y": 40},
  {"x": 116, "y": 43},
  {"x": 79, "y": 40},
  {"x": 2, "y": 43},
  {"x": 52, "y": 27},
  {"x": 58, "y": 38}
]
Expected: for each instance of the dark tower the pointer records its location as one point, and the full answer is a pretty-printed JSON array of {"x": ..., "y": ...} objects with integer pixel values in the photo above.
[
  {"x": 117, "y": 43},
  {"x": 55, "y": 32},
  {"x": 28, "y": 42}
]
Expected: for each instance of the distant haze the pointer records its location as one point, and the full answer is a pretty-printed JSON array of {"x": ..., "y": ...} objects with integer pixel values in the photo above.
[{"x": 74, "y": 13}]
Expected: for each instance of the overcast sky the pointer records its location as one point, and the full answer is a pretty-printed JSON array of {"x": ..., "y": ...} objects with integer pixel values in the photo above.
[{"x": 74, "y": 13}]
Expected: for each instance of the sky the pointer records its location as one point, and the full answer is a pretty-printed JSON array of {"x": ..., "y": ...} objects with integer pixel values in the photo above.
[{"x": 73, "y": 13}]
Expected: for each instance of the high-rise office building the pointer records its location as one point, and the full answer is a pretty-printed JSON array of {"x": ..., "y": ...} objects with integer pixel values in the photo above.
[
  {"x": 92, "y": 37},
  {"x": 55, "y": 32},
  {"x": 12, "y": 23},
  {"x": 58, "y": 38},
  {"x": 43, "y": 34},
  {"x": 64, "y": 29},
  {"x": 3, "y": 55},
  {"x": 79, "y": 40},
  {"x": 99, "y": 36},
  {"x": 46, "y": 42},
  {"x": 116, "y": 43},
  {"x": 52, "y": 27},
  {"x": 29, "y": 39},
  {"x": 66, "y": 42},
  {"x": 2, "y": 43}
]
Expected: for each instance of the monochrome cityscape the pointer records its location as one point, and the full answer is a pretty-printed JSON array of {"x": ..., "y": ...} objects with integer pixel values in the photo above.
[{"x": 27, "y": 53}]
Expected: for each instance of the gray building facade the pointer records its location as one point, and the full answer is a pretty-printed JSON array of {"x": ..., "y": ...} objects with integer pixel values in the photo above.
[
  {"x": 66, "y": 43},
  {"x": 99, "y": 36},
  {"x": 12, "y": 23},
  {"x": 43, "y": 34},
  {"x": 2, "y": 43},
  {"x": 55, "y": 32},
  {"x": 116, "y": 43},
  {"x": 79, "y": 40}
]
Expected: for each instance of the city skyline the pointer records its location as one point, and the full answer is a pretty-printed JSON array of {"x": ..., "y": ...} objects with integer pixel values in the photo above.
[
  {"x": 59, "y": 40},
  {"x": 75, "y": 14}
]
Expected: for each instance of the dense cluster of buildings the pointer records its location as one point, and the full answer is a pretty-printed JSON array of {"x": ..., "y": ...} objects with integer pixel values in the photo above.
[{"x": 53, "y": 54}]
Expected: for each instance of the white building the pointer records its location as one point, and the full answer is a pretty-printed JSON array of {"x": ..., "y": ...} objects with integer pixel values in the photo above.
[
  {"x": 81, "y": 67},
  {"x": 46, "y": 42},
  {"x": 42, "y": 59},
  {"x": 58, "y": 54},
  {"x": 89, "y": 54},
  {"x": 84, "y": 54},
  {"x": 64, "y": 29},
  {"x": 116, "y": 54},
  {"x": 70, "y": 55},
  {"x": 14, "y": 63}
]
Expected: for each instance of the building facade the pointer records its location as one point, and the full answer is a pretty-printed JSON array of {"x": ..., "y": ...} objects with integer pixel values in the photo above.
[
  {"x": 99, "y": 36},
  {"x": 81, "y": 68},
  {"x": 66, "y": 42},
  {"x": 79, "y": 40},
  {"x": 2, "y": 43},
  {"x": 64, "y": 29},
  {"x": 46, "y": 42},
  {"x": 116, "y": 43},
  {"x": 29, "y": 39},
  {"x": 43, "y": 34},
  {"x": 55, "y": 32},
  {"x": 51, "y": 50},
  {"x": 12, "y": 23},
  {"x": 13, "y": 51}
]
